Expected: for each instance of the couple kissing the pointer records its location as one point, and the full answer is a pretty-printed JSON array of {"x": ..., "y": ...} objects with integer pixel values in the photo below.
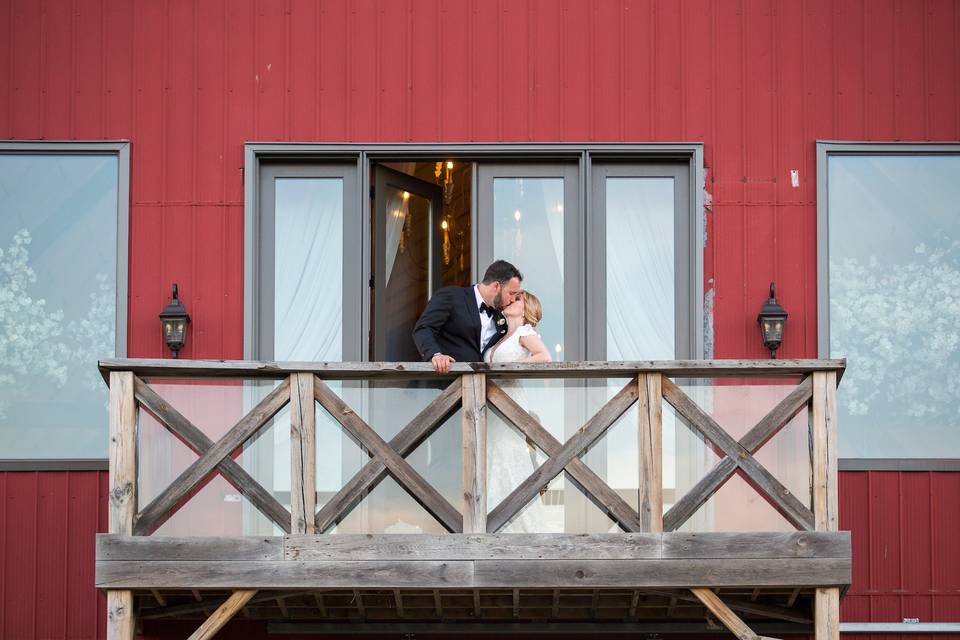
[{"x": 494, "y": 320}]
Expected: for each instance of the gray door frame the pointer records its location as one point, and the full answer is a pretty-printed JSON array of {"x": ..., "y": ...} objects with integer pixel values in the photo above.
[{"x": 363, "y": 154}]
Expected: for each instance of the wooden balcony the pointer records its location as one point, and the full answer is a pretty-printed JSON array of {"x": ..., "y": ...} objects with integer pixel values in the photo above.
[{"x": 647, "y": 577}]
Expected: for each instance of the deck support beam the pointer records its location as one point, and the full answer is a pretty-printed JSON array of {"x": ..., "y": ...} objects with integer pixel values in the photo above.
[
  {"x": 223, "y": 614},
  {"x": 649, "y": 402},
  {"x": 474, "y": 425},
  {"x": 826, "y": 498},
  {"x": 724, "y": 614},
  {"x": 303, "y": 454},
  {"x": 123, "y": 492}
]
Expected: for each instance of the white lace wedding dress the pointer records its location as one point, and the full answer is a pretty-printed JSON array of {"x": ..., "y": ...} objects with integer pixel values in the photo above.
[{"x": 510, "y": 458}]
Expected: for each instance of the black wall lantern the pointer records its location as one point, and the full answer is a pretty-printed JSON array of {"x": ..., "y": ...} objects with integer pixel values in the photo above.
[
  {"x": 771, "y": 319},
  {"x": 174, "y": 320}
]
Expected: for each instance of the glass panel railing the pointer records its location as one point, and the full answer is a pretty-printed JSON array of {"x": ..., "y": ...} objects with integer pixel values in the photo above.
[{"x": 214, "y": 507}]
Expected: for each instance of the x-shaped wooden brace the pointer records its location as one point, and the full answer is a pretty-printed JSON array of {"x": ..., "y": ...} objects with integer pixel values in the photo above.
[
  {"x": 592, "y": 485},
  {"x": 388, "y": 458},
  {"x": 212, "y": 456},
  {"x": 564, "y": 457},
  {"x": 739, "y": 455}
]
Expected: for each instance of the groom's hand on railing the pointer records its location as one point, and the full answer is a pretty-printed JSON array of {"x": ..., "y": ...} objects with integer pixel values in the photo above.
[{"x": 441, "y": 363}]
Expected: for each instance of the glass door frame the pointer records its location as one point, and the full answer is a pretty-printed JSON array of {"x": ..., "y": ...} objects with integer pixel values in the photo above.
[
  {"x": 363, "y": 155},
  {"x": 573, "y": 255}
]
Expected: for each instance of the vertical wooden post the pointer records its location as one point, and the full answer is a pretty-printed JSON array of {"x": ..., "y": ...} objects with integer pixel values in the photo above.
[
  {"x": 303, "y": 454},
  {"x": 825, "y": 491},
  {"x": 474, "y": 428},
  {"x": 123, "y": 492},
  {"x": 649, "y": 394}
]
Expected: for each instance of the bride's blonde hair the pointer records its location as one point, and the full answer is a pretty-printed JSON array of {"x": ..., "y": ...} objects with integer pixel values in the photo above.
[{"x": 532, "y": 309}]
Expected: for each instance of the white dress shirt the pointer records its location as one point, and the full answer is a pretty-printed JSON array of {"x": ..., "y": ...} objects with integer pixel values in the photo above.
[{"x": 487, "y": 328}]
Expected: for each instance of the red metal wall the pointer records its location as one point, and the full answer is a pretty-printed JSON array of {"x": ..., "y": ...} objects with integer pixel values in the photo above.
[
  {"x": 758, "y": 81},
  {"x": 906, "y": 547},
  {"x": 47, "y": 526}
]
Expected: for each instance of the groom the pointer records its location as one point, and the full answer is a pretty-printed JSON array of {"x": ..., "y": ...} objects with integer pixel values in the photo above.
[{"x": 461, "y": 323}]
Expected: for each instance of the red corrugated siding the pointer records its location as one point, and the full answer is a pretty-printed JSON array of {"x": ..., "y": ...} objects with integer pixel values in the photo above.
[
  {"x": 47, "y": 526},
  {"x": 758, "y": 81},
  {"x": 906, "y": 552}
]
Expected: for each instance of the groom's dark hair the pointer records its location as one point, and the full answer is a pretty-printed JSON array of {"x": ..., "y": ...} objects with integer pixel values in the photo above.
[{"x": 501, "y": 271}]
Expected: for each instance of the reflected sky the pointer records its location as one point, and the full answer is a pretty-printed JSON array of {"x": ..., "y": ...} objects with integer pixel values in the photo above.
[
  {"x": 895, "y": 303},
  {"x": 58, "y": 235}
]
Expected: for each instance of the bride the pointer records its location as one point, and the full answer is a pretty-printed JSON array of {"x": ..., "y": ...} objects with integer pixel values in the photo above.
[{"x": 512, "y": 460}]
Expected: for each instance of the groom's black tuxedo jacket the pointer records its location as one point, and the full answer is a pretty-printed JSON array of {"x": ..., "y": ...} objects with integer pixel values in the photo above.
[{"x": 451, "y": 325}]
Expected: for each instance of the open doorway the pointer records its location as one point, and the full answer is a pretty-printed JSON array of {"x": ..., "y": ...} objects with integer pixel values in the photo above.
[{"x": 421, "y": 241}]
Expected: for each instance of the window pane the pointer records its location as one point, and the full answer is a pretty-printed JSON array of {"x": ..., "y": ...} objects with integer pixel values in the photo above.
[
  {"x": 640, "y": 271},
  {"x": 528, "y": 231},
  {"x": 308, "y": 286},
  {"x": 894, "y": 303},
  {"x": 58, "y": 274}
]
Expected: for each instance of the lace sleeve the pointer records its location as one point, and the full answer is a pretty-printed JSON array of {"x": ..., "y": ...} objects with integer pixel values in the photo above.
[{"x": 526, "y": 330}]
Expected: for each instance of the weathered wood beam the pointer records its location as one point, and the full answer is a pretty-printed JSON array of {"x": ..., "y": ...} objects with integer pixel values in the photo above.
[
  {"x": 398, "y": 602},
  {"x": 122, "y": 499},
  {"x": 793, "y": 597},
  {"x": 158, "y": 597},
  {"x": 437, "y": 604},
  {"x": 771, "y": 489},
  {"x": 223, "y": 614},
  {"x": 186, "y": 609},
  {"x": 649, "y": 390},
  {"x": 405, "y": 442},
  {"x": 634, "y": 601},
  {"x": 594, "y": 428},
  {"x": 162, "y": 507},
  {"x": 197, "y": 440},
  {"x": 406, "y": 476},
  {"x": 555, "y": 605},
  {"x": 592, "y": 485},
  {"x": 303, "y": 454},
  {"x": 145, "y": 367},
  {"x": 492, "y": 546},
  {"x": 516, "y": 603},
  {"x": 742, "y": 606},
  {"x": 467, "y": 574},
  {"x": 476, "y": 604},
  {"x": 823, "y": 425},
  {"x": 474, "y": 452},
  {"x": 769, "y": 426},
  {"x": 724, "y": 614},
  {"x": 358, "y": 600}
]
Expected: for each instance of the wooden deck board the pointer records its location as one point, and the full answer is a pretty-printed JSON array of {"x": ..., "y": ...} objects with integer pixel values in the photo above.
[{"x": 471, "y": 561}]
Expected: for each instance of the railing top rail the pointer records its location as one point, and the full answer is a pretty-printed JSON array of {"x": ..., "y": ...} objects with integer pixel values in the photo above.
[{"x": 408, "y": 370}]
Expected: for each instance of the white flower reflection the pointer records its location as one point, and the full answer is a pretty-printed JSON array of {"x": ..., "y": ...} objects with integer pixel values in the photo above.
[
  {"x": 899, "y": 327},
  {"x": 36, "y": 342}
]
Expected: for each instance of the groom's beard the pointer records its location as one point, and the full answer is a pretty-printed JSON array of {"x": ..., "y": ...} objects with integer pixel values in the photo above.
[{"x": 498, "y": 300}]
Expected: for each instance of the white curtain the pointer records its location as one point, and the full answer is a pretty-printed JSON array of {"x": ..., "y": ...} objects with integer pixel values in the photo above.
[
  {"x": 398, "y": 209},
  {"x": 308, "y": 307}
]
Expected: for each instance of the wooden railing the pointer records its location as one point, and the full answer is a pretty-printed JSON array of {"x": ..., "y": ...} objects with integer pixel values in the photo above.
[{"x": 474, "y": 388}]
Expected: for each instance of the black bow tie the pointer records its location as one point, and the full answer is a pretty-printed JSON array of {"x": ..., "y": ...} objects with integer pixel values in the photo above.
[{"x": 487, "y": 310}]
